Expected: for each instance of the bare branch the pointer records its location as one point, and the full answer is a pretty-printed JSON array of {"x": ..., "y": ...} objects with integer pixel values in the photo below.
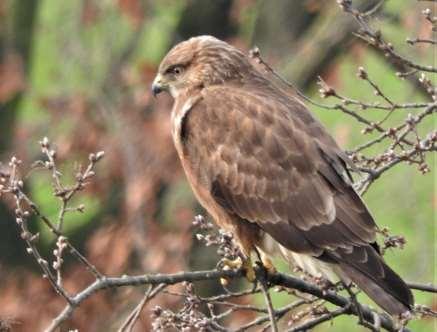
[
  {"x": 318, "y": 320},
  {"x": 422, "y": 287},
  {"x": 130, "y": 321},
  {"x": 375, "y": 38},
  {"x": 278, "y": 279}
]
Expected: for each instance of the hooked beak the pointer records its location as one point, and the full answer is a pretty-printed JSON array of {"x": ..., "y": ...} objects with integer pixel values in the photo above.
[{"x": 157, "y": 86}]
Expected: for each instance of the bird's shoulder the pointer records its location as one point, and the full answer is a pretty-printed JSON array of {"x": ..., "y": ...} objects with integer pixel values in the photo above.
[{"x": 261, "y": 116}]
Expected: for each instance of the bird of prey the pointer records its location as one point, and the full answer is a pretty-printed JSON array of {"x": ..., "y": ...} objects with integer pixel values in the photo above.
[{"x": 268, "y": 172}]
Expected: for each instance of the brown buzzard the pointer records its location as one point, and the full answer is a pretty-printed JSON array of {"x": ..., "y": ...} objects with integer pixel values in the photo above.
[{"x": 267, "y": 170}]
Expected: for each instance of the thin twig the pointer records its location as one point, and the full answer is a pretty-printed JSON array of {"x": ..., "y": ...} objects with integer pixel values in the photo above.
[
  {"x": 269, "y": 304},
  {"x": 318, "y": 320},
  {"x": 422, "y": 287},
  {"x": 278, "y": 314},
  {"x": 130, "y": 321}
]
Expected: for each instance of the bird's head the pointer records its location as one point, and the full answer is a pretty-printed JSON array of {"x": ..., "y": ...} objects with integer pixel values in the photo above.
[{"x": 199, "y": 62}]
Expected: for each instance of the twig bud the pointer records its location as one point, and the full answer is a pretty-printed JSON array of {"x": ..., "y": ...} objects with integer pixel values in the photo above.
[
  {"x": 81, "y": 208},
  {"x": 426, "y": 12},
  {"x": 100, "y": 155},
  {"x": 362, "y": 73},
  {"x": 254, "y": 52},
  {"x": 88, "y": 175},
  {"x": 45, "y": 143}
]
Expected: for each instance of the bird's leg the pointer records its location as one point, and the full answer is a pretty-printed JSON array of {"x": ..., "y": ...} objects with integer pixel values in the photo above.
[
  {"x": 263, "y": 267},
  {"x": 248, "y": 237},
  {"x": 354, "y": 301},
  {"x": 267, "y": 263}
]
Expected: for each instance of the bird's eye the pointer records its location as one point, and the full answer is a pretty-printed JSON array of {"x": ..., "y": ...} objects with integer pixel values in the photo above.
[{"x": 175, "y": 70}]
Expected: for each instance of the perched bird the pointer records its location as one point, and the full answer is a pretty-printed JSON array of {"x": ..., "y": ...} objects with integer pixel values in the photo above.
[{"x": 268, "y": 172}]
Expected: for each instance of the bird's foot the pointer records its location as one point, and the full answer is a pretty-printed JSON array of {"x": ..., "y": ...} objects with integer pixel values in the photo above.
[
  {"x": 261, "y": 270},
  {"x": 238, "y": 264},
  {"x": 264, "y": 267}
]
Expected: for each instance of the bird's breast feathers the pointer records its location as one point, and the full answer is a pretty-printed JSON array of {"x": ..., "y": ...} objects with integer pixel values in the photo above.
[{"x": 181, "y": 108}]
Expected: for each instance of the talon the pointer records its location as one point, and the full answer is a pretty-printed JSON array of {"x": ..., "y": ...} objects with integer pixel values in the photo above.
[
  {"x": 268, "y": 265},
  {"x": 232, "y": 263},
  {"x": 229, "y": 264},
  {"x": 224, "y": 282},
  {"x": 237, "y": 264},
  {"x": 247, "y": 266}
]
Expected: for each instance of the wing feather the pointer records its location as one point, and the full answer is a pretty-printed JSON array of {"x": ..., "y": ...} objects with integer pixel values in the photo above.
[{"x": 270, "y": 162}]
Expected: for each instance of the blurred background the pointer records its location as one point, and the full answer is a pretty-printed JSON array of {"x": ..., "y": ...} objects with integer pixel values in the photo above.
[{"x": 79, "y": 72}]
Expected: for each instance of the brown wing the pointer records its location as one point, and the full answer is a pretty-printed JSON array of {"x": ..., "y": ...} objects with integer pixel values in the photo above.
[{"x": 268, "y": 161}]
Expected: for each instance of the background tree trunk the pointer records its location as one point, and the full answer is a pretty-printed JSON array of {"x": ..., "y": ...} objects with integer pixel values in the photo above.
[
  {"x": 16, "y": 38},
  {"x": 310, "y": 35}
]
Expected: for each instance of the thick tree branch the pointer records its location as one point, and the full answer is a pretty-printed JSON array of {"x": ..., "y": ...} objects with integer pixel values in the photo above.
[{"x": 277, "y": 279}]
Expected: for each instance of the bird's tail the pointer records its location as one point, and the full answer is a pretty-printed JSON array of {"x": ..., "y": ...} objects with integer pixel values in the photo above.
[{"x": 366, "y": 268}]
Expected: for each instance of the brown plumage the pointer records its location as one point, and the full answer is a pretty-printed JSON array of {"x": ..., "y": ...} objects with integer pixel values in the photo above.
[{"x": 265, "y": 168}]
